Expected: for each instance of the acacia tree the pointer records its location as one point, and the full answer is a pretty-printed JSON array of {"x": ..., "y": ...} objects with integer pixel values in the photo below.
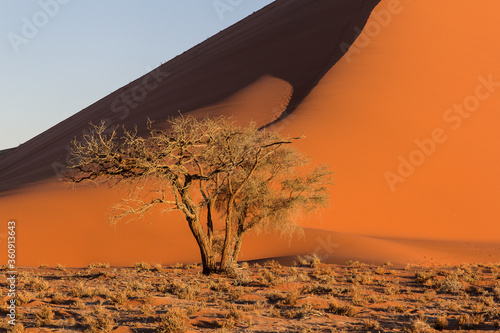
[{"x": 225, "y": 166}]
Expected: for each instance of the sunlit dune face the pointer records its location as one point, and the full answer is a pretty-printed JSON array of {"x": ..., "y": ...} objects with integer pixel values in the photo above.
[{"x": 408, "y": 121}]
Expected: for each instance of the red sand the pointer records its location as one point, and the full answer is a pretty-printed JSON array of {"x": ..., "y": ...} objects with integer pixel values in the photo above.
[
  {"x": 396, "y": 89},
  {"x": 414, "y": 62}
]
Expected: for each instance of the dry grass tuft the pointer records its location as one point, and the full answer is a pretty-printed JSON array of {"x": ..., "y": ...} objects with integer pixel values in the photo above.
[
  {"x": 183, "y": 290},
  {"x": 119, "y": 298},
  {"x": 142, "y": 266},
  {"x": 450, "y": 285},
  {"x": 338, "y": 308},
  {"x": 37, "y": 284},
  {"x": 95, "y": 265},
  {"x": 172, "y": 322},
  {"x": 308, "y": 261},
  {"x": 100, "y": 320},
  {"x": 274, "y": 297},
  {"x": 18, "y": 328},
  {"x": 61, "y": 268},
  {"x": 419, "y": 326},
  {"x": 292, "y": 298},
  {"x": 441, "y": 322},
  {"x": 268, "y": 277},
  {"x": 147, "y": 310},
  {"x": 44, "y": 316},
  {"x": 371, "y": 324}
]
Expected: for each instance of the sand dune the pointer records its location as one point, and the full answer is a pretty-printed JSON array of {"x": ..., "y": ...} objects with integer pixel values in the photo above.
[
  {"x": 383, "y": 103},
  {"x": 411, "y": 171}
]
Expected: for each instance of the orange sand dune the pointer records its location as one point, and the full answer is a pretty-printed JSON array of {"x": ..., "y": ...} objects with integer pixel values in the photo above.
[
  {"x": 393, "y": 99},
  {"x": 406, "y": 119}
]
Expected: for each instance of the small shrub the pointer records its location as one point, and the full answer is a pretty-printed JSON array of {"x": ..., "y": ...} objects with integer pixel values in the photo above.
[
  {"x": 147, "y": 309},
  {"x": 424, "y": 277},
  {"x": 441, "y": 322},
  {"x": 44, "y": 316},
  {"x": 219, "y": 285},
  {"x": 81, "y": 291},
  {"x": 371, "y": 324},
  {"x": 60, "y": 267},
  {"x": 307, "y": 261},
  {"x": 18, "y": 328},
  {"x": 451, "y": 285},
  {"x": 99, "y": 291},
  {"x": 487, "y": 300},
  {"x": 273, "y": 264},
  {"x": 496, "y": 292},
  {"x": 398, "y": 308},
  {"x": 342, "y": 309},
  {"x": 119, "y": 298},
  {"x": 292, "y": 298},
  {"x": 419, "y": 326},
  {"x": 193, "y": 309},
  {"x": 172, "y": 322},
  {"x": 268, "y": 277},
  {"x": 243, "y": 279},
  {"x": 274, "y": 297},
  {"x": 318, "y": 288},
  {"x": 100, "y": 321},
  {"x": 57, "y": 298},
  {"x": 477, "y": 319},
  {"x": 80, "y": 305},
  {"x": 234, "y": 312},
  {"x": 392, "y": 290},
  {"x": 429, "y": 295},
  {"x": 465, "y": 321},
  {"x": 236, "y": 293},
  {"x": 183, "y": 290},
  {"x": 158, "y": 268},
  {"x": 141, "y": 266},
  {"x": 37, "y": 284},
  {"x": 23, "y": 298}
]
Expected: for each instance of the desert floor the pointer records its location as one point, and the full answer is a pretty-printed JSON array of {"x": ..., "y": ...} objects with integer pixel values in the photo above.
[{"x": 309, "y": 296}]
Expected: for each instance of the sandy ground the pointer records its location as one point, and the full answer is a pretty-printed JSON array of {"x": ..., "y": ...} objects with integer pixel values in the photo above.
[{"x": 308, "y": 297}]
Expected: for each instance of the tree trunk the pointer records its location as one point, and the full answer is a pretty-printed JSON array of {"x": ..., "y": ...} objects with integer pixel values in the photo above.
[
  {"x": 226, "y": 255},
  {"x": 210, "y": 223},
  {"x": 192, "y": 213},
  {"x": 237, "y": 247},
  {"x": 206, "y": 251}
]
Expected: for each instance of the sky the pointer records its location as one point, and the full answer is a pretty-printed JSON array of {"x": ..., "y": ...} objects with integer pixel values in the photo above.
[{"x": 59, "y": 56}]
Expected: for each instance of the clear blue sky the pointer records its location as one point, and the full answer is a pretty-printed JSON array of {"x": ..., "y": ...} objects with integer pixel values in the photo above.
[{"x": 59, "y": 56}]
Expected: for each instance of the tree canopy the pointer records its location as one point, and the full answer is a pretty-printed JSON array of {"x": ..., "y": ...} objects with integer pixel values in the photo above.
[{"x": 225, "y": 179}]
